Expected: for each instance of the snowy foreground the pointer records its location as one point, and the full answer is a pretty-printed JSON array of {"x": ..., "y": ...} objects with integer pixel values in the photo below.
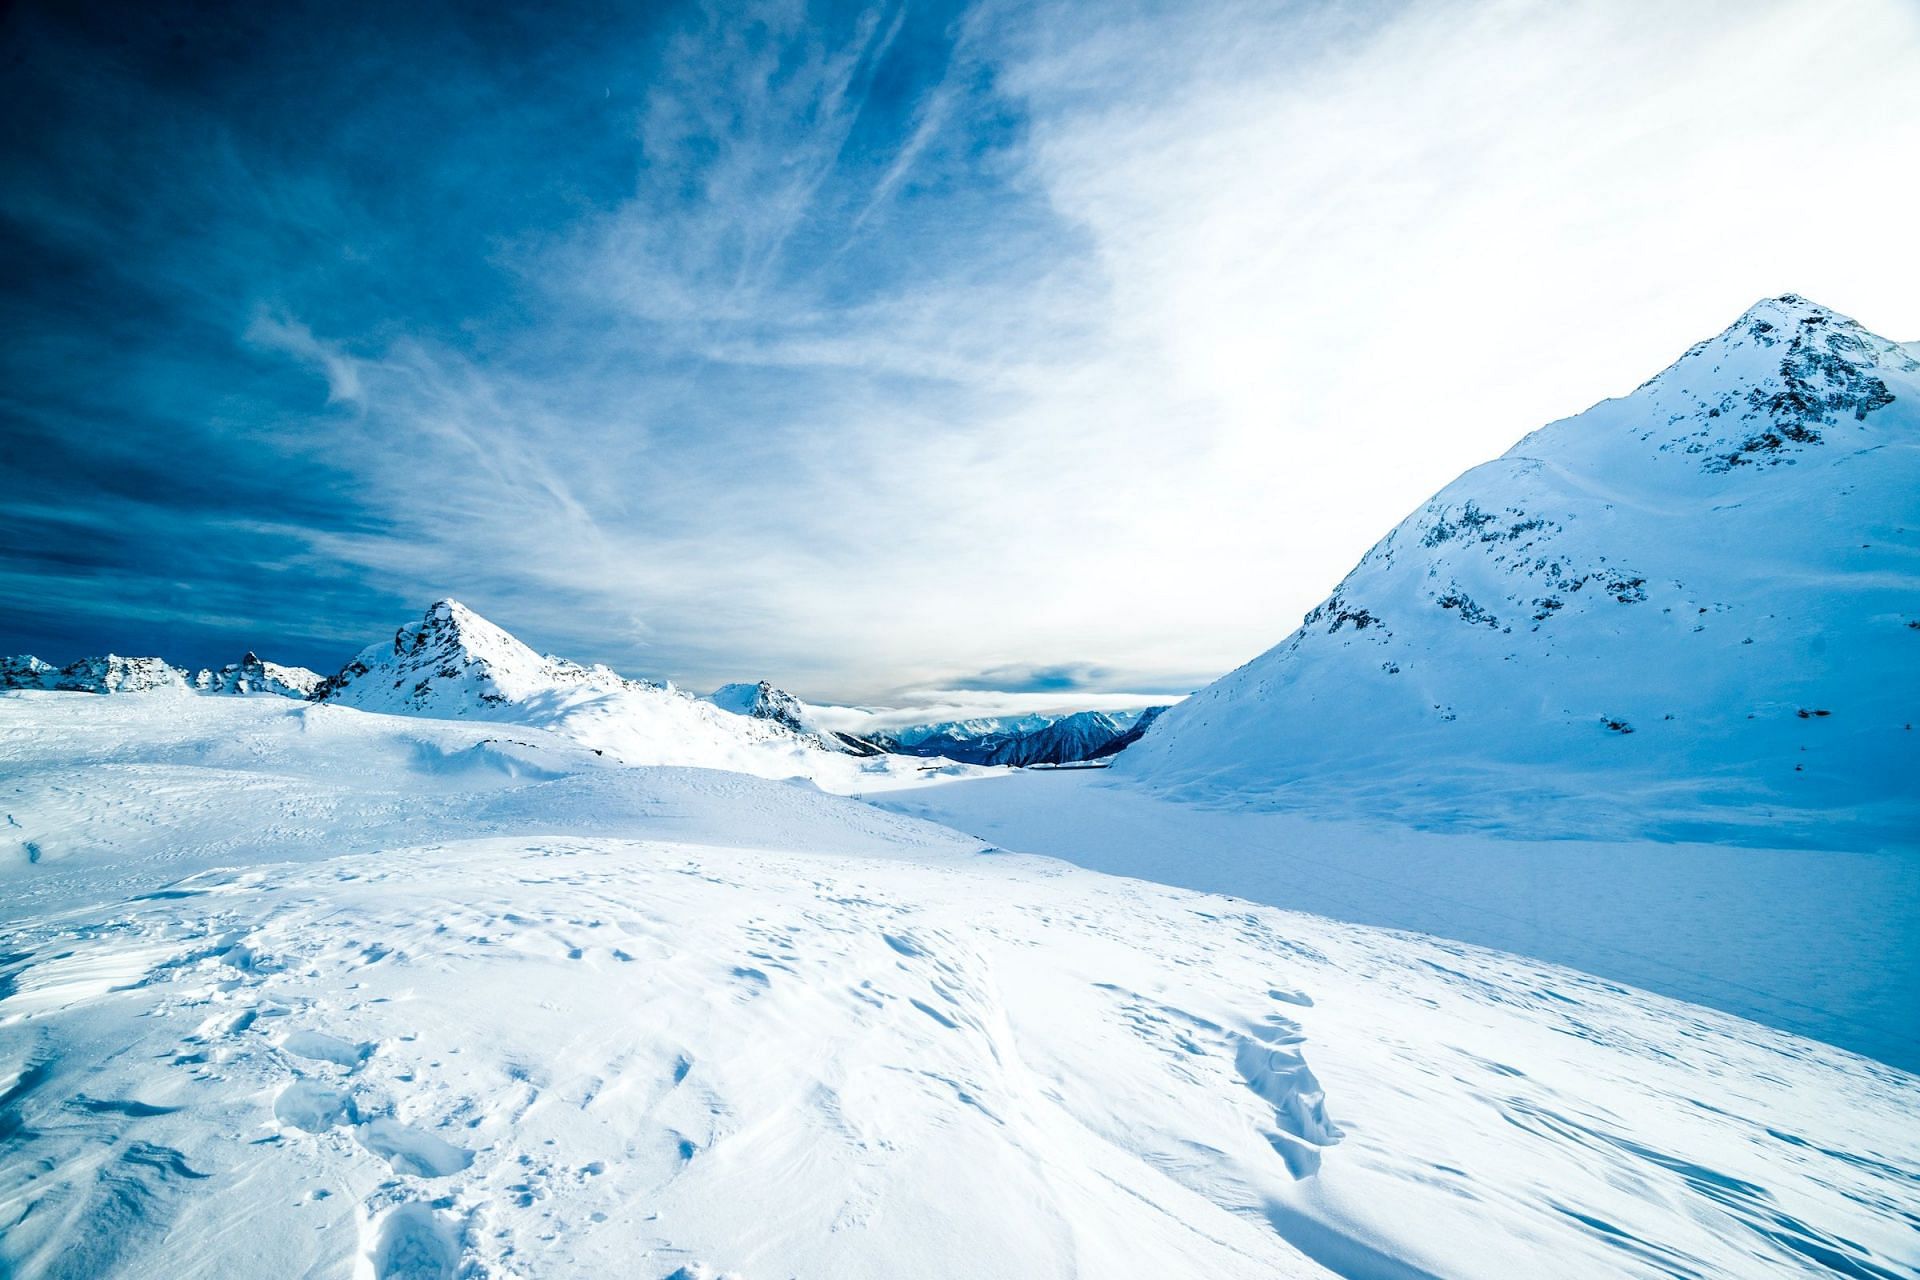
[{"x": 298, "y": 990}]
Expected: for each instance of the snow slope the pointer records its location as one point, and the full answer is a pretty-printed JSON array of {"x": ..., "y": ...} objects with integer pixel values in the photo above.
[
  {"x": 1692, "y": 611},
  {"x": 298, "y": 990}
]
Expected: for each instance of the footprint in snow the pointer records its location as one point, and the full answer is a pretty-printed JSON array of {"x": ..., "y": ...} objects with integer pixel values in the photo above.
[{"x": 412, "y": 1241}]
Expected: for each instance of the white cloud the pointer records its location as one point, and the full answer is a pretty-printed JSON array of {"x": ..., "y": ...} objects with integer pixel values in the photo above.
[{"x": 1300, "y": 267}]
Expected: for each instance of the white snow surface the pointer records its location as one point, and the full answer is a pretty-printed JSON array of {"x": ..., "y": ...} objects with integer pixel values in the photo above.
[
  {"x": 299, "y": 990},
  {"x": 1813, "y": 941},
  {"x": 1690, "y": 612}
]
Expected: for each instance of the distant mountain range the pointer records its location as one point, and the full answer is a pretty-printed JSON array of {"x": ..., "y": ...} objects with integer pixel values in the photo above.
[
  {"x": 1691, "y": 608},
  {"x": 454, "y": 664},
  {"x": 1690, "y": 611},
  {"x": 115, "y": 674},
  {"x": 1025, "y": 740}
]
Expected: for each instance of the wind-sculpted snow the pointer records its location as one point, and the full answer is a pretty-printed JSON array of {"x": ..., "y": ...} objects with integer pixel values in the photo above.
[
  {"x": 409, "y": 997},
  {"x": 1693, "y": 611}
]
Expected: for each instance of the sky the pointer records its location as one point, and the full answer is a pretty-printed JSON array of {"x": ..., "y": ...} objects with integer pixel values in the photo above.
[{"x": 1062, "y": 348}]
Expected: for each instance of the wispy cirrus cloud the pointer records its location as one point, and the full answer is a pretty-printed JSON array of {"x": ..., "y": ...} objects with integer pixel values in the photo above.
[{"x": 866, "y": 347}]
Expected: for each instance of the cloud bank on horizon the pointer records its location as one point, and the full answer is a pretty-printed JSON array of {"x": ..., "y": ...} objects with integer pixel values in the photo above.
[{"x": 866, "y": 348}]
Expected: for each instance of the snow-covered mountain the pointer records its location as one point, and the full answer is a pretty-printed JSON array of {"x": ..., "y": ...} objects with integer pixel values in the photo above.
[
  {"x": 1142, "y": 722},
  {"x": 937, "y": 733},
  {"x": 115, "y": 674},
  {"x": 24, "y": 671},
  {"x": 111, "y": 674},
  {"x": 1062, "y": 738},
  {"x": 1687, "y": 609},
  {"x": 454, "y": 664},
  {"x": 252, "y": 675},
  {"x": 762, "y": 700}
]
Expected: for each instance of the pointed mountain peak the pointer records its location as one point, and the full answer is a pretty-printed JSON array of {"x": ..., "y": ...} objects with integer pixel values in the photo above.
[
  {"x": 1790, "y": 325},
  {"x": 1785, "y": 309},
  {"x": 1786, "y": 377},
  {"x": 450, "y": 629},
  {"x": 454, "y": 662},
  {"x": 762, "y": 700}
]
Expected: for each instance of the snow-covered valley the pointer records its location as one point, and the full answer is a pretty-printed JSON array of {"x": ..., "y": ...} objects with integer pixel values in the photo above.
[
  {"x": 302, "y": 990},
  {"x": 1820, "y": 942}
]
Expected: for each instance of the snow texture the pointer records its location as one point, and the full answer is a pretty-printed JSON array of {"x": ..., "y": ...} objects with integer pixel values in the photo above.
[{"x": 296, "y": 989}]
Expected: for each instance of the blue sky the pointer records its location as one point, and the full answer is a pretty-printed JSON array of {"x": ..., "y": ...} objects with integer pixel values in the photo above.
[{"x": 1034, "y": 346}]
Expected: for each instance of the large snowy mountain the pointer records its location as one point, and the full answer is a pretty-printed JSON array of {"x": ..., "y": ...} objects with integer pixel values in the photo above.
[{"x": 1684, "y": 611}]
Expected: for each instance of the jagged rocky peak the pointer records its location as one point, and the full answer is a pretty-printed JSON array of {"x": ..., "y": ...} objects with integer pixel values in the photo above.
[
  {"x": 109, "y": 674},
  {"x": 115, "y": 674},
  {"x": 24, "y": 671},
  {"x": 454, "y": 662},
  {"x": 450, "y": 630},
  {"x": 1785, "y": 378},
  {"x": 253, "y": 675},
  {"x": 450, "y": 658},
  {"x": 763, "y": 701}
]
